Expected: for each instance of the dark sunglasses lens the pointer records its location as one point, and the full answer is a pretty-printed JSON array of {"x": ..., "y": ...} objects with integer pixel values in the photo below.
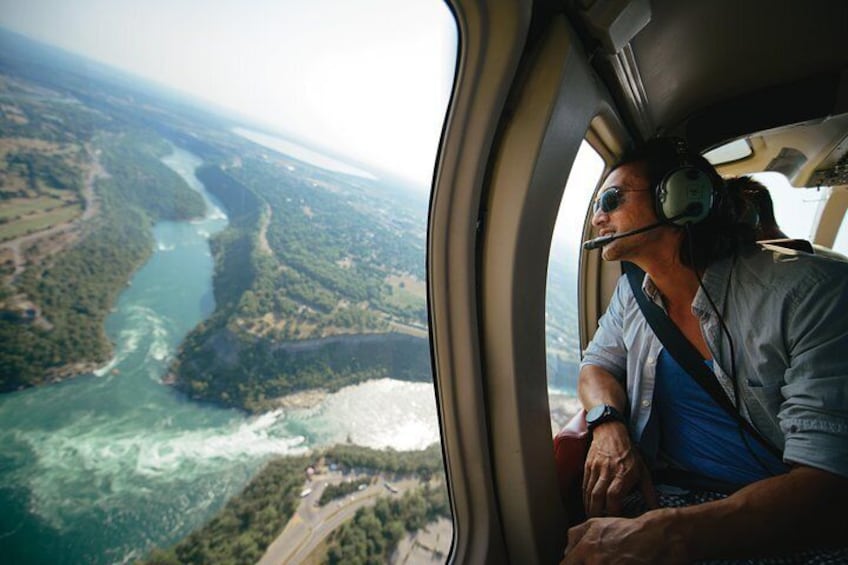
[{"x": 609, "y": 200}]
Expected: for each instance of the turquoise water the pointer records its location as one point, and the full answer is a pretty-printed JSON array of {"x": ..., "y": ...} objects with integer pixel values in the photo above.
[{"x": 102, "y": 467}]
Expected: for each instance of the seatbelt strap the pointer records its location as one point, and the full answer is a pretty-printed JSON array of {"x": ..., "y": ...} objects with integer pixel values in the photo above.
[{"x": 682, "y": 350}]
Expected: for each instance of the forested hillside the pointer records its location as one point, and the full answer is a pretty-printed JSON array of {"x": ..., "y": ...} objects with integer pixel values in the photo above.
[
  {"x": 52, "y": 311},
  {"x": 319, "y": 276},
  {"x": 303, "y": 264},
  {"x": 250, "y": 521}
]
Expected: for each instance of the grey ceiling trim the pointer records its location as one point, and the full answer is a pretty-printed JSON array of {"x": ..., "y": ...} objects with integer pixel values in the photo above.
[{"x": 633, "y": 93}]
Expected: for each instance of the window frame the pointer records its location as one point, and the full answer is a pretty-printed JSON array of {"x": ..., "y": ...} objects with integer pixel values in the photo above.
[{"x": 513, "y": 130}]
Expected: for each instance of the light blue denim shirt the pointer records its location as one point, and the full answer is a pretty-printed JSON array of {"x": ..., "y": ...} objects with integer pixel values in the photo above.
[{"x": 787, "y": 314}]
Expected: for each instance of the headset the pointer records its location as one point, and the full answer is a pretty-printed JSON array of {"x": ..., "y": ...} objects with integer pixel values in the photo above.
[{"x": 688, "y": 193}]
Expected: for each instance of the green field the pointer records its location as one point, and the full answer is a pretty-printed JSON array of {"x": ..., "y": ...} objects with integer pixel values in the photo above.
[
  {"x": 22, "y": 207},
  {"x": 405, "y": 292},
  {"x": 39, "y": 222}
]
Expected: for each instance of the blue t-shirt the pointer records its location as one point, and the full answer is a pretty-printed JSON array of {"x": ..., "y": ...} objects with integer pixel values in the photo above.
[{"x": 697, "y": 435}]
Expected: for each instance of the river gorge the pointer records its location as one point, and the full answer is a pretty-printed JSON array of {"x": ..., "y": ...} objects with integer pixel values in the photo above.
[{"x": 102, "y": 467}]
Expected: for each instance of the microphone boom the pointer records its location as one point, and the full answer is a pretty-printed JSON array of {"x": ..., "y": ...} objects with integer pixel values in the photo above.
[{"x": 607, "y": 239}]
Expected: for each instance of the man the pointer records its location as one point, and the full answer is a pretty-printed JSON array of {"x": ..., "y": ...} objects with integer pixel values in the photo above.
[
  {"x": 768, "y": 230},
  {"x": 762, "y": 207},
  {"x": 775, "y": 332}
]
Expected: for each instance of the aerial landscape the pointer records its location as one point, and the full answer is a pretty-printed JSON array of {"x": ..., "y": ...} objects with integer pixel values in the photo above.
[
  {"x": 318, "y": 284},
  {"x": 206, "y": 341}
]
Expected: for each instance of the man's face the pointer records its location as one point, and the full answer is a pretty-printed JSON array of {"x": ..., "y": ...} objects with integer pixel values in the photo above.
[{"x": 627, "y": 208}]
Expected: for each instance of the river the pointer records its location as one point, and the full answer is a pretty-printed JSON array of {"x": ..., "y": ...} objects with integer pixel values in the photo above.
[{"x": 100, "y": 468}]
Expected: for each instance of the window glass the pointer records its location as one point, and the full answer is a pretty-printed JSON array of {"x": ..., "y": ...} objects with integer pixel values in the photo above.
[
  {"x": 213, "y": 330},
  {"x": 733, "y": 151},
  {"x": 561, "y": 324},
  {"x": 840, "y": 244}
]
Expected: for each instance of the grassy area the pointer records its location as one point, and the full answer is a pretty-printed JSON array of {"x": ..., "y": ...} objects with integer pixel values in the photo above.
[
  {"x": 406, "y": 291},
  {"x": 38, "y": 222},
  {"x": 23, "y": 206}
]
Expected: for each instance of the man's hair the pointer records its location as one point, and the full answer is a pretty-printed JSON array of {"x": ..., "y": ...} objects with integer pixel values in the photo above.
[{"x": 724, "y": 232}]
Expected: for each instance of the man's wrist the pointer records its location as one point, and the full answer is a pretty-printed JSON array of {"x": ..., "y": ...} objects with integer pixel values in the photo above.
[
  {"x": 608, "y": 425},
  {"x": 674, "y": 528},
  {"x": 612, "y": 431}
]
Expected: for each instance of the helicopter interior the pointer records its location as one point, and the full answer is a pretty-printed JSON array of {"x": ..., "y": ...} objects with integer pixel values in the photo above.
[{"x": 757, "y": 86}]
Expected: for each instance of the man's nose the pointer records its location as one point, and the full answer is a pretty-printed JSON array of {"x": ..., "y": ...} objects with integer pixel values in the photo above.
[{"x": 599, "y": 217}]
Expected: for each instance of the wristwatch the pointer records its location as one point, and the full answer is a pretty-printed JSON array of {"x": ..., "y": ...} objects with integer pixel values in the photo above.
[{"x": 602, "y": 413}]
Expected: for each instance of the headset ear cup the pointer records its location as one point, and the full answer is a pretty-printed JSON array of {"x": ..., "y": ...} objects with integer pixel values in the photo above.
[
  {"x": 661, "y": 197},
  {"x": 685, "y": 194}
]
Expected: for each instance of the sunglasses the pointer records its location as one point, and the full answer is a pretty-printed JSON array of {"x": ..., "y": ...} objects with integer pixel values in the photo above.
[{"x": 610, "y": 198}]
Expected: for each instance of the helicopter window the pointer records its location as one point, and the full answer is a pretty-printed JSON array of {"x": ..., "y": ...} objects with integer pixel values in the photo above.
[
  {"x": 797, "y": 211},
  {"x": 729, "y": 152},
  {"x": 213, "y": 317},
  {"x": 561, "y": 325},
  {"x": 840, "y": 245}
]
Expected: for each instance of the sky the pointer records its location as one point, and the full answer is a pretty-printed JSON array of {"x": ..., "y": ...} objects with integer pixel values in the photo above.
[
  {"x": 585, "y": 175},
  {"x": 366, "y": 79}
]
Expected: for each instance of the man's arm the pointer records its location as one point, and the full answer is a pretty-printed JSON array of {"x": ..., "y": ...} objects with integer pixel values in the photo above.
[
  {"x": 802, "y": 509},
  {"x": 613, "y": 467}
]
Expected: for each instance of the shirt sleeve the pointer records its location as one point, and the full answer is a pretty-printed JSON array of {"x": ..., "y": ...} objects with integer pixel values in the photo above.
[
  {"x": 607, "y": 349},
  {"x": 814, "y": 414}
]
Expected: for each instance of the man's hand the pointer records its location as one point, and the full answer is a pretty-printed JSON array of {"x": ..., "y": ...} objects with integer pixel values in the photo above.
[
  {"x": 613, "y": 468},
  {"x": 623, "y": 541}
]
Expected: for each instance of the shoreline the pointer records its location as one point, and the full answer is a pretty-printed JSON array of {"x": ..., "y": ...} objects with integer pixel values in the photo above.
[{"x": 304, "y": 399}]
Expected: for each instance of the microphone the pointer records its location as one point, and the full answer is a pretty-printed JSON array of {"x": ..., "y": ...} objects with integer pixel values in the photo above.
[{"x": 606, "y": 239}]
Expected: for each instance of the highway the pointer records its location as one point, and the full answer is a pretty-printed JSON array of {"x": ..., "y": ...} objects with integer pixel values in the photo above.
[{"x": 311, "y": 524}]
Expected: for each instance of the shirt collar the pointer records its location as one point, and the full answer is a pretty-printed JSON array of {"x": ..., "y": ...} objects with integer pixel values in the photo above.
[{"x": 715, "y": 279}]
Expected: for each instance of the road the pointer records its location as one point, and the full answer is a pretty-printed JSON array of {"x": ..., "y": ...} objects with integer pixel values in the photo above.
[
  {"x": 311, "y": 524},
  {"x": 16, "y": 246}
]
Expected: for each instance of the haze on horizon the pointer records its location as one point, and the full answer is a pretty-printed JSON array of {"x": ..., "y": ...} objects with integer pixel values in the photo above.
[{"x": 367, "y": 80}]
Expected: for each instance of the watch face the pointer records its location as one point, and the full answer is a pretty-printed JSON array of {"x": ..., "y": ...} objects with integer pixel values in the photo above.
[{"x": 595, "y": 413}]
